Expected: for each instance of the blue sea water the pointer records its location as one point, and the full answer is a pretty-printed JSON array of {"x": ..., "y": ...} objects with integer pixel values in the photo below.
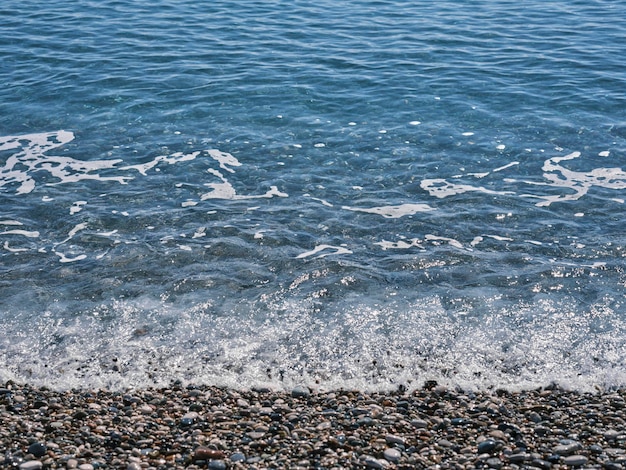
[{"x": 359, "y": 194}]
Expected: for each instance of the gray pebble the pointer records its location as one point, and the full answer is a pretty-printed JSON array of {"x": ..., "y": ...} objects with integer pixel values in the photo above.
[
  {"x": 575, "y": 460},
  {"x": 393, "y": 439},
  {"x": 372, "y": 462},
  {"x": 519, "y": 458},
  {"x": 189, "y": 418},
  {"x": 301, "y": 391},
  {"x": 238, "y": 457},
  {"x": 31, "y": 465},
  {"x": 567, "y": 449},
  {"x": 494, "y": 463},
  {"x": 393, "y": 455},
  {"x": 217, "y": 465}
]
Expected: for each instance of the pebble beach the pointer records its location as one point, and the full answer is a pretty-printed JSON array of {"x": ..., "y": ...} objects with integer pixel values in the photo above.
[{"x": 199, "y": 427}]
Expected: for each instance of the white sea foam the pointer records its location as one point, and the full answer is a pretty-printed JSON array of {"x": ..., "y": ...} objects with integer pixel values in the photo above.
[
  {"x": 77, "y": 229},
  {"x": 177, "y": 157},
  {"x": 63, "y": 258},
  {"x": 25, "y": 233},
  {"x": 323, "y": 249},
  {"x": 393, "y": 212},
  {"x": 401, "y": 244},
  {"x": 225, "y": 159},
  {"x": 13, "y": 250},
  {"x": 77, "y": 207},
  {"x": 31, "y": 157},
  {"x": 440, "y": 188},
  {"x": 508, "y": 165},
  {"x": 450, "y": 241},
  {"x": 577, "y": 182}
]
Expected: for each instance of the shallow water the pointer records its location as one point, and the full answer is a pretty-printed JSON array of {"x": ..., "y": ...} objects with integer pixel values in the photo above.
[{"x": 359, "y": 194}]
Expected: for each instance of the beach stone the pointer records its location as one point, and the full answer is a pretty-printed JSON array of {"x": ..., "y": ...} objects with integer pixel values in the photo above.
[
  {"x": 365, "y": 421},
  {"x": 575, "y": 460},
  {"x": 394, "y": 440},
  {"x": 567, "y": 448},
  {"x": 595, "y": 449},
  {"x": 204, "y": 453},
  {"x": 85, "y": 466},
  {"x": 498, "y": 434},
  {"x": 189, "y": 418},
  {"x": 373, "y": 462},
  {"x": 80, "y": 414},
  {"x": 393, "y": 455},
  {"x": 519, "y": 458},
  {"x": 37, "y": 449},
  {"x": 488, "y": 446},
  {"x": 419, "y": 423},
  {"x": 217, "y": 465},
  {"x": 71, "y": 464},
  {"x": 301, "y": 391},
  {"x": 542, "y": 464},
  {"x": 494, "y": 462},
  {"x": 31, "y": 465},
  {"x": 238, "y": 457},
  {"x": 611, "y": 434},
  {"x": 133, "y": 466}
]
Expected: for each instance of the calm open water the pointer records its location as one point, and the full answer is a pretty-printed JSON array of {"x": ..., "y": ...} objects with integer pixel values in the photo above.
[{"x": 337, "y": 194}]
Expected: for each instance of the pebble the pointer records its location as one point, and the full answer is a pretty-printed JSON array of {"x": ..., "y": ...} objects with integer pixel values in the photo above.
[
  {"x": 519, "y": 458},
  {"x": 31, "y": 465},
  {"x": 237, "y": 457},
  {"x": 209, "y": 427},
  {"x": 204, "y": 453},
  {"x": 37, "y": 449},
  {"x": 575, "y": 460},
  {"x": 301, "y": 392},
  {"x": 393, "y": 455},
  {"x": 217, "y": 465},
  {"x": 372, "y": 462},
  {"x": 568, "y": 448},
  {"x": 488, "y": 446},
  {"x": 393, "y": 439},
  {"x": 494, "y": 462}
]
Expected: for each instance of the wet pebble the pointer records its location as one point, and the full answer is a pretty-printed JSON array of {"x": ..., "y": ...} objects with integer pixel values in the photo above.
[
  {"x": 567, "y": 448},
  {"x": 37, "y": 449},
  {"x": 488, "y": 446},
  {"x": 575, "y": 460}
]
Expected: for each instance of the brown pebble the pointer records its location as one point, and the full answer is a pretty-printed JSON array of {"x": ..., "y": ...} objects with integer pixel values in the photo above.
[{"x": 204, "y": 453}]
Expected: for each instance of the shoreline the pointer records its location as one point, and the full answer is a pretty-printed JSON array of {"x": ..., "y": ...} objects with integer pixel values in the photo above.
[{"x": 198, "y": 427}]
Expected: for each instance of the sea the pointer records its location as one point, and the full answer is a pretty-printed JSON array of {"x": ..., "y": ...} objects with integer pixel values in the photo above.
[{"x": 358, "y": 194}]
